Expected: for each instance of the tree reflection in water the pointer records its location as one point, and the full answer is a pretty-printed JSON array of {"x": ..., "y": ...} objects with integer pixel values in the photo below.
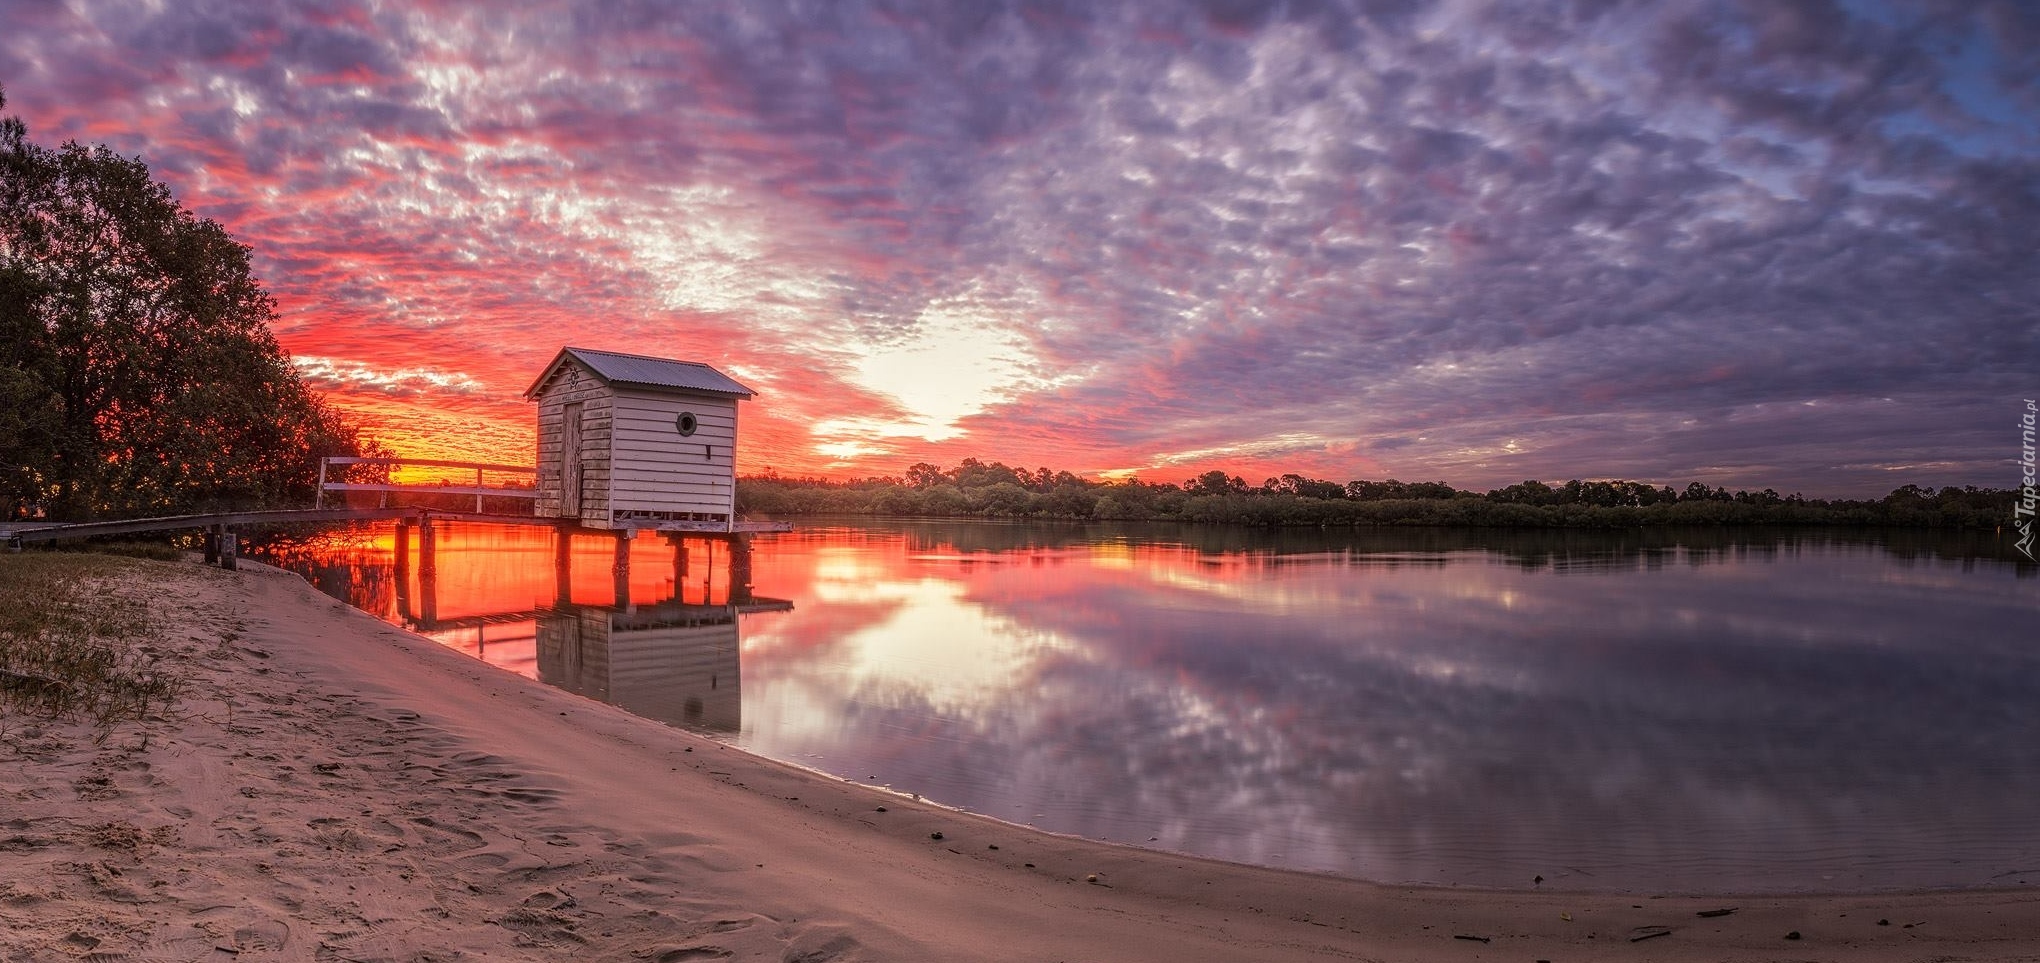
[{"x": 1641, "y": 710}]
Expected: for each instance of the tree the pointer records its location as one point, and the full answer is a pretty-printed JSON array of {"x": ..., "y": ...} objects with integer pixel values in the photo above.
[
  {"x": 925, "y": 476},
  {"x": 1304, "y": 487},
  {"x": 1527, "y": 492},
  {"x": 29, "y": 426},
  {"x": 137, "y": 358},
  {"x": 1216, "y": 482}
]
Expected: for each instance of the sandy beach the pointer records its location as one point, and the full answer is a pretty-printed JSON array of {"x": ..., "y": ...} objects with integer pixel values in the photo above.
[{"x": 334, "y": 788}]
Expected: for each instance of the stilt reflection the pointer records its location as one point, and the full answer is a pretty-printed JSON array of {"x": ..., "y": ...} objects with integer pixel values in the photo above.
[
  {"x": 664, "y": 649},
  {"x": 1655, "y": 711}
]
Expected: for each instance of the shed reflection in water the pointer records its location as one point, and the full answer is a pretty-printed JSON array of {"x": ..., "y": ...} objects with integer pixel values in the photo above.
[
  {"x": 673, "y": 662},
  {"x": 509, "y": 596},
  {"x": 1657, "y": 711}
]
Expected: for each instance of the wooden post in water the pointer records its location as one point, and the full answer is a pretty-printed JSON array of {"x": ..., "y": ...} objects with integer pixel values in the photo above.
[
  {"x": 402, "y": 554},
  {"x": 428, "y": 573},
  {"x": 428, "y": 549},
  {"x": 740, "y": 569},
  {"x": 621, "y": 567},
  {"x": 428, "y": 599},
  {"x": 563, "y": 566},
  {"x": 708, "y": 575},
  {"x": 679, "y": 543},
  {"x": 402, "y": 580}
]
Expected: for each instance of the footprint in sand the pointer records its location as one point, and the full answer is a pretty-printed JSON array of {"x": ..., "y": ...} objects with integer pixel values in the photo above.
[
  {"x": 546, "y": 899},
  {"x": 542, "y": 928},
  {"x": 694, "y": 953},
  {"x": 437, "y": 838},
  {"x": 264, "y": 935}
]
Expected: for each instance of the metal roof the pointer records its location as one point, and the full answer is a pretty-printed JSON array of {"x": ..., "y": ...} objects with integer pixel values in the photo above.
[{"x": 640, "y": 371}]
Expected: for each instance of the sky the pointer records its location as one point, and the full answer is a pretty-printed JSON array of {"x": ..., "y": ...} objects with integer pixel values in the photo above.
[{"x": 1760, "y": 244}]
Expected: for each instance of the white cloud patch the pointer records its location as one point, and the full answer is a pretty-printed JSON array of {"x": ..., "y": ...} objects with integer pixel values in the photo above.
[{"x": 359, "y": 375}]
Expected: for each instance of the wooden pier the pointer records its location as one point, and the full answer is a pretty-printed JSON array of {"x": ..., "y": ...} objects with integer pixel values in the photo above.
[
  {"x": 424, "y": 530},
  {"x": 223, "y": 532},
  {"x": 420, "y": 608},
  {"x": 219, "y": 527},
  {"x": 222, "y": 529}
]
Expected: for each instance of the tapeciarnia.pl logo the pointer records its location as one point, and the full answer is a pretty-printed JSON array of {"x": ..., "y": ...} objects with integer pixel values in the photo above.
[{"x": 2022, "y": 510}]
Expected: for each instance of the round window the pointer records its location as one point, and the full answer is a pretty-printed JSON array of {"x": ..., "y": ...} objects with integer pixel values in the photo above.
[{"x": 688, "y": 423}]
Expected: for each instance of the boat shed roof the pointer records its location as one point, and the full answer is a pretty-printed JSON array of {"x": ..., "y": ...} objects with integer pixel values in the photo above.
[{"x": 639, "y": 371}]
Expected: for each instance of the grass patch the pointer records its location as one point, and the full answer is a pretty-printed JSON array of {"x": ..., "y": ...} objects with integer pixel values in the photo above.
[
  {"x": 69, "y": 647},
  {"x": 132, "y": 548}
]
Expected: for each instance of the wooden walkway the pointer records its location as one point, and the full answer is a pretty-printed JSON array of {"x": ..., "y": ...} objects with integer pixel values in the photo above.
[
  {"x": 222, "y": 543},
  {"x": 16, "y": 533}
]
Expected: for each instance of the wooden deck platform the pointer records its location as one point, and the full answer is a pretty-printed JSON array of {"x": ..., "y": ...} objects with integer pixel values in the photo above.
[
  {"x": 222, "y": 544},
  {"x": 17, "y": 533}
]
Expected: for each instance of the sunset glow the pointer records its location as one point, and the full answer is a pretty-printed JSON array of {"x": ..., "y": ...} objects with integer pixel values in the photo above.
[{"x": 1757, "y": 244}]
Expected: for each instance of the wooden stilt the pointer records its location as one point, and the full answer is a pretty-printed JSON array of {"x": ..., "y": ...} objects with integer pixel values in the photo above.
[
  {"x": 708, "y": 575},
  {"x": 679, "y": 543},
  {"x": 621, "y": 568},
  {"x": 428, "y": 549},
  {"x": 563, "y": 566},
  {"x": 740, "y": 569},
  {"x": 230, "y": 549},
  {"x": 428, "y": 599},
  {"x": 402, "y": 552},
  {"x": 428, "y": 573}
]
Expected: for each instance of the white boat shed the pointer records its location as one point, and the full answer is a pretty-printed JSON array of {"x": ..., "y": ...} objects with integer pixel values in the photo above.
[{"x": 627, "y": 442}]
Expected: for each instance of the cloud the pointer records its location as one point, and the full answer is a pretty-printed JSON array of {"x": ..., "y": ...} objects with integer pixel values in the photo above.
[
  {"x": 328, "y": 373},
  {"x": 1471, "y": 240}
]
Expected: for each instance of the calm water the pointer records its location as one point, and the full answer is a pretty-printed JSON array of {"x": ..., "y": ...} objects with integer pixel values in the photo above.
[{"x": 1676, "y": 713}]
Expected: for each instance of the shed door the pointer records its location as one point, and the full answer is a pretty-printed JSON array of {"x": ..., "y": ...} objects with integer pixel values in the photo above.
[{"x": 570, "y": 460}]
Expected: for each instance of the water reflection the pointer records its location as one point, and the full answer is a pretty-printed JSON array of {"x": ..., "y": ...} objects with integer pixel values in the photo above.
[
  {"x": 1785, "y": 711},
  {"x": 673, "y": 662},
  {"x": 522, "y": 599}
]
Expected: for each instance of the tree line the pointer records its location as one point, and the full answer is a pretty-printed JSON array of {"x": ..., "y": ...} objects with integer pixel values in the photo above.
[
  {"x": 138, "y": 373},
  {"x": 975, "y": 489}
]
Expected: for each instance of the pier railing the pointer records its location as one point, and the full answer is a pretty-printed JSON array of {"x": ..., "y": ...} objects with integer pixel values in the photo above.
[
  {"x": 385, "y": 489},
  {"x": 222, "y": 542}
]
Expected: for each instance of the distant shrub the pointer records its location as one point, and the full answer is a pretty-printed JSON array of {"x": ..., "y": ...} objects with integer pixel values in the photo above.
[{"x": 978, "y": 490}]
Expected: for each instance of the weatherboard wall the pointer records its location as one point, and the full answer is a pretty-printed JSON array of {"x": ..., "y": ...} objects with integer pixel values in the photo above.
[
  {"x": 657, "y": 469},
  {"x": 635, "y": 462},
  {"x": 574, "y": 384},
  {"x": 686, "y": 673}
]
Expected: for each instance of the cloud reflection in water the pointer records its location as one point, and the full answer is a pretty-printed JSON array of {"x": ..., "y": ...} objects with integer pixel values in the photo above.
[
  {"x": 1825, "y": 717},
  {"x": 1661, "y": 712}
]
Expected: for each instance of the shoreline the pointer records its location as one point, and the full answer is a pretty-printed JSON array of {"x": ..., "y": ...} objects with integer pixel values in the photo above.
[{"x": 337, "y": 787}]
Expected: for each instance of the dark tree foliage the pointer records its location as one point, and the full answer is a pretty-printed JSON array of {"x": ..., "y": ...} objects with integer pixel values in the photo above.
[
  {"x": 995, "y": 490},
  {"x": 138, "y": 374}
]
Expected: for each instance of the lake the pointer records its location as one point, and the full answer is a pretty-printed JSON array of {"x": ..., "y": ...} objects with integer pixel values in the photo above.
[{"x": 1665, "y": 712}]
